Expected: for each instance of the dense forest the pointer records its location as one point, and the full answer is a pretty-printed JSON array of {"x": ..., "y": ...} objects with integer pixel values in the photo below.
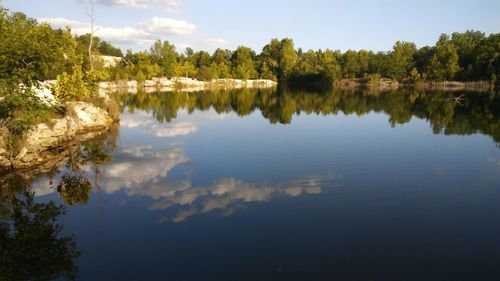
[{"x": 31, "y": 50}]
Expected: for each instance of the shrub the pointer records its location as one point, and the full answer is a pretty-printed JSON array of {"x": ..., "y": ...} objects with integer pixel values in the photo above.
[
  {"x": 92, "y": 79},
  {"x": 71, "y": 87},
  {"x": 20, "y": 110}
]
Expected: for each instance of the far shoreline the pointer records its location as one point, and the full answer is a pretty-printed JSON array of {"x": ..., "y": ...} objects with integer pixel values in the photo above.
[{"x": 389, "y": 84}]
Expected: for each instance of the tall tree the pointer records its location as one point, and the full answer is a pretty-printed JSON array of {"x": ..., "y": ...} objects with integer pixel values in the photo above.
[
  {"x": 244, "y": 64},
  {"x": 401, "y": 60},
  {"x": 165, "y": 55},
  {"x": 466, "y": 44},
  {"x": 287, "y": 58},
  {"x": 350, "y": 64},
  {"x": 444, "y": 63}
]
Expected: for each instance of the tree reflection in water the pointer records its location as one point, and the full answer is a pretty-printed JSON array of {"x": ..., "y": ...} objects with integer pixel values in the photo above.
[
  {"x": 32, "y": 243},
  {"x": 32, "y": 246},
  {"x": 476, "y": 112}
]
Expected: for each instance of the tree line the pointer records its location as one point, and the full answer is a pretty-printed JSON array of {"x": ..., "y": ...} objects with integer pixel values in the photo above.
[
  {"x": 467, "y": 56},
  {"x": 31, "y": 50}
]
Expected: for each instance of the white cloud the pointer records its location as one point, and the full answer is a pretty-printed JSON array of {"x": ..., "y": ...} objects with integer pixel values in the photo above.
[
  {"x": 161, "y": 25},
  {"x": 139, "y": 165},
  {"x": 146, "y": 31},
  {"x": 215, "y": 41}
]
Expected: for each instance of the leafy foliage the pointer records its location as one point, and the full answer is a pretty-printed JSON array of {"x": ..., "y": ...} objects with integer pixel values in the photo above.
[
  {"x": 20, "y": 109},
  {"x": 71, "y": 86}
]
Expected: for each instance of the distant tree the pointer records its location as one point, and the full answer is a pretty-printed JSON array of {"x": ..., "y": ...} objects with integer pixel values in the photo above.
[
  {"x": 202, "y": 58},
  {"x": 266, "y": 72},
  {"x": 330, "y": 66},
  {"x": 466, "y": 45},
  {"x": 222, "y": 63},
  {"x": 488, "y": 57},
  {"x": 378, "y": 63},
  {"x": 364, "y": 62},
  {"x": 186, "y": 69},
  {"x": 444, "y": 63},
  {"x": 287, "y": 58},
  {"x": 107, "y": 49},
  {"x": 244, "y": 64},
  {"x": 350, "y": 64},
  {"x": 422, "y": 58},
  {"x": 270, "y": 57},
  {"x": 401, "y": 60},
  {"x": 165, "y": 55},
  {"x": 205, "y": 73}
]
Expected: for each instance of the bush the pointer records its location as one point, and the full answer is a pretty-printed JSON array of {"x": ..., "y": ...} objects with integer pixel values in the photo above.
[
  {"x": 92, "y": 79},
  {"x": 71, "y": 87},
  {"x": 20, "y": 110},
  {"x": 415, "y": 75}
]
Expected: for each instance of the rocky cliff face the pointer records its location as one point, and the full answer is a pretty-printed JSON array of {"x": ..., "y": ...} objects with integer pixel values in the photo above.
[{"x": 41, "y": 140}]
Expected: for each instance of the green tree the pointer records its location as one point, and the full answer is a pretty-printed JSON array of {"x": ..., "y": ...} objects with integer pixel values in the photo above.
[
  {"x": 401, "y": 60},
  {"x": 488, "y": 57},
  {"x": 107, "y": 49},
  {"x": 270, "y": 57},
  {"x": 467, "y": 44},
  {"x": 444, "y": 63},
  {"x": 330, "y": 66},
  {"x": 165, "y": 55},
  {"x": 350, "y": 64},
  {"x": 244, "y": 64},
  {"x": 222, "y": 63},
  {"x": 287, "y": 58},
  {"x": 186, "y": 69},
  {"x": 32, "y": 51},
  {"x": 71, "y": 86}
]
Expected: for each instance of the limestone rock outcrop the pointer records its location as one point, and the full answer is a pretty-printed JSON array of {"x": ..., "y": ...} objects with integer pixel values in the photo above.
[{"x": 80, "y": 119}]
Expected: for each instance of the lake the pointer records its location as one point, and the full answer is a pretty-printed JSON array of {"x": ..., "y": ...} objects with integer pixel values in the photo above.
[{"x": 271, "y": 185}]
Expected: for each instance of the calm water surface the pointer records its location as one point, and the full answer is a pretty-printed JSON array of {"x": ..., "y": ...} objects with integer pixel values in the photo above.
[{"x": 261, "y": 185}]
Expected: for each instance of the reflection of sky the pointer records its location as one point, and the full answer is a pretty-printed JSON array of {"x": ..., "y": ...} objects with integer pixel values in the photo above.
[
  {"x": 203, "y": 162},
  {"x": 143, "y": 171},
  {"x": 146, "y": 171},
  {"x": 149, "y": 125}
]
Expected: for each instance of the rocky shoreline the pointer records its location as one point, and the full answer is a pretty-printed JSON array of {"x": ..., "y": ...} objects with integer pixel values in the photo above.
[
  {"x": 82, "y": 121},
  {"x": 182, "y": 84}
]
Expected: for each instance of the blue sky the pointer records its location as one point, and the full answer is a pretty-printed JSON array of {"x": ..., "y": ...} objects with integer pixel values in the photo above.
[{"x": 313, "y": 24}]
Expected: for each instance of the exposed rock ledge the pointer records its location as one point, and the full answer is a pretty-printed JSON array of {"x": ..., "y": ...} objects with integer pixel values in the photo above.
[
  {"x": 183, "y": 84},
  {"x": 80, "y": 122}
]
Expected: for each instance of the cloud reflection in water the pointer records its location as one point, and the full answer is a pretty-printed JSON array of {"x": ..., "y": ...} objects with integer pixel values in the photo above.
[{"x": 143, "y": 171}]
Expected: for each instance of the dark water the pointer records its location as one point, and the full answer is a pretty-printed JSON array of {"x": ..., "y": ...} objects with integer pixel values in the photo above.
[{"x": 260, "y": 185}]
